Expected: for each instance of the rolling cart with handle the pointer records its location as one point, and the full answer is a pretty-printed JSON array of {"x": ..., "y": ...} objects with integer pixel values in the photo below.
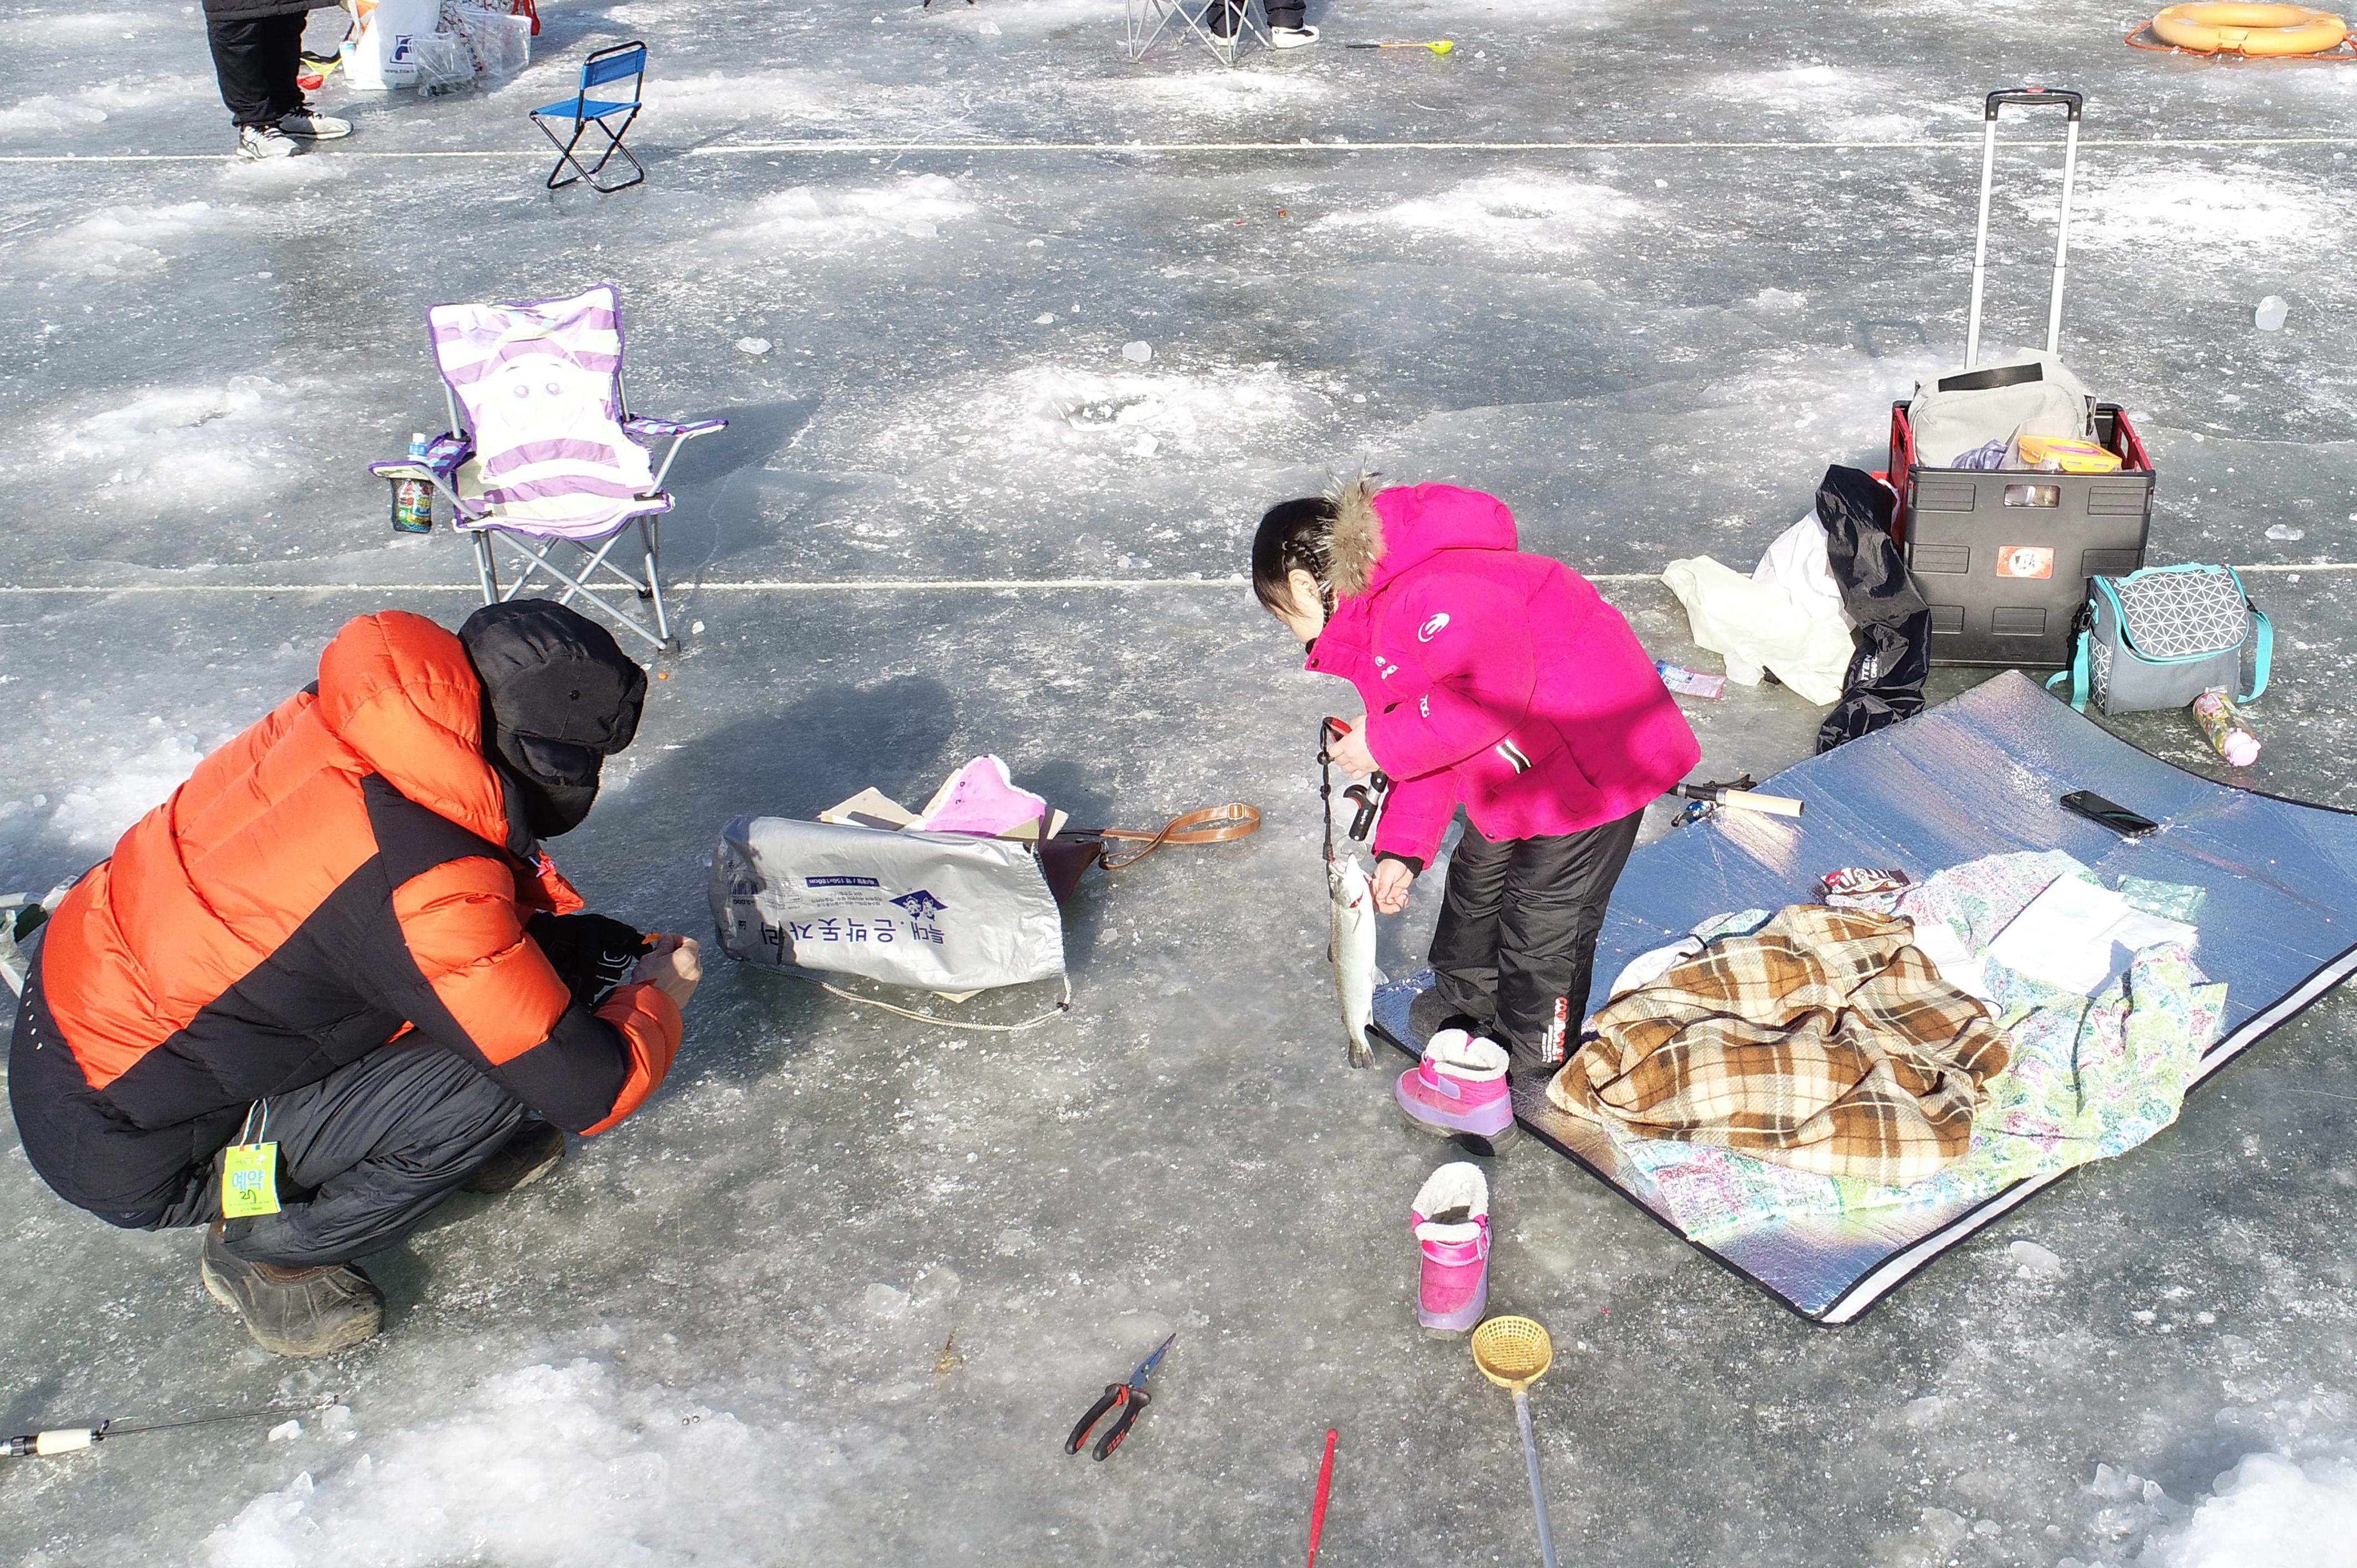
[{"x": 2003, "y": 555}]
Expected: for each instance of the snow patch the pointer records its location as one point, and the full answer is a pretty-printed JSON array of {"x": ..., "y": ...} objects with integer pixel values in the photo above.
[
  {"x": 2268, "y": 1511},
  {"x": 1820, "y": 91},
  {"x": 92, "y": 816},
  {"x": 546, "y": 1466},
  {"x": 739, "y": 95},
  {"x": 2190, "y": 209},
  {"x": 1079, "y": 413},
  {"x": 1223, "y": 94},
  {"x": 818, "y": 217},
  {"x": 115, "y": 241},
  {"x": 85, "y": 107},
  {"x": 186, "y": 447},
  {"x": 1509, "y": 211}
]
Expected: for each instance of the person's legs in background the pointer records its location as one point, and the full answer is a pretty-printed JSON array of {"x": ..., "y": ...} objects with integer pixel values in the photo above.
[
  {"x": 1286, "y": 29},
  {"x": 255, "y": 61}
]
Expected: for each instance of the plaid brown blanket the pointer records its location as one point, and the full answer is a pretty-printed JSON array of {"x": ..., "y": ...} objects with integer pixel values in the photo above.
[{"x": 1826, "y": 1041}]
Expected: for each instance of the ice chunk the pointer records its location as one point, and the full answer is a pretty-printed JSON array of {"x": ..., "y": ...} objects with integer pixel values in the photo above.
[
  {"x": 2270, "y": 316},
  {"x": 884, "y": 1302},
  {"x": 286, "y": 1432},
  {"x": 752, "y": 345},
  {"x": 2284, "y": 534},
  {"x": 2035, "y": 1260},
  {"x": 1137, "y": 349}
]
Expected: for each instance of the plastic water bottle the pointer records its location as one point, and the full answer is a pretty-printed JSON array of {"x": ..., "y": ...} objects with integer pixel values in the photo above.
[
  {"x": 2269, "y": 316},
  {"x": 412, "y": 499},
  {"x": 2229, "y": 735}
]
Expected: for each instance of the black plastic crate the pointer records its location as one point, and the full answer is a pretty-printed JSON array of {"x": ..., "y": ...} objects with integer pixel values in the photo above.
[{"x": 2003, "y": 556}]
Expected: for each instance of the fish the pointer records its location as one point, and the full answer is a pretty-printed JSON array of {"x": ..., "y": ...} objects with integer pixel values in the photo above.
[{"x": 1351, "y": 947}]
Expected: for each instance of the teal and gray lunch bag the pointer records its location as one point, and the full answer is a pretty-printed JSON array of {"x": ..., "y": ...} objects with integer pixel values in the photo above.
[{"x": 2161, "y": 637}]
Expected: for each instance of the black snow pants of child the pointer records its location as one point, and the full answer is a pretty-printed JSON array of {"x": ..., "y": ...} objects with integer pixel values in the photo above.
[{"x": 1516, "y": 941}]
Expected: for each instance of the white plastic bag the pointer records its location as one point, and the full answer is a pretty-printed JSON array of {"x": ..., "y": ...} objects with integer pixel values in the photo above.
[
  {"x": 382, "y": 55},
  {"x": 498, "y": 43},
  {"x": 940, "y": 912}
]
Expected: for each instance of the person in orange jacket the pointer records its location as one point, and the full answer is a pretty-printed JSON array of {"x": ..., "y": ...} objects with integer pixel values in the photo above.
[{"x": 338, "y": 958}]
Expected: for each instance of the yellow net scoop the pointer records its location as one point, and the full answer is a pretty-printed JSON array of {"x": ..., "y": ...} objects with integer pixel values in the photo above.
[{"x": 1512, "y": 1352}]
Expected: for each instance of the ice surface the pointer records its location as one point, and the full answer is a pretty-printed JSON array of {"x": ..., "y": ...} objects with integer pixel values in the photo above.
[{"x": 837, "y": 1294}]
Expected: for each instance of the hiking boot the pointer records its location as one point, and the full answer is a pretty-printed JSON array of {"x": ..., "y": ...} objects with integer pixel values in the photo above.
[
  {"x": 313, "y": 127},
  {"x": 293, "y": 1312},
  {"x": 1292, "y": 38},
  {"x": 1459, "y": 1088},
  {"x": 1452, "y": 1227},
  {"x": 260, "y": 144},
  {"x": 532, "y": 1151}
]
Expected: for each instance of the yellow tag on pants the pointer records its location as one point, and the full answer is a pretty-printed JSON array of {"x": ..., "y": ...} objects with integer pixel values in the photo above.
[{"x": 249, "y": 1180}]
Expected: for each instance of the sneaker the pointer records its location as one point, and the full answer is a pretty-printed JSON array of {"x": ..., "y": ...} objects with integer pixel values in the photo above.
[
  {"x": 293, "y": 1312},
  {"x": 532, "y": 1151},
  {"x": 1459, "y": 1088},
  {"x": 313, "y": 127},
  {"x": 1452, "y": 1226},
  {"x": 259, "y": 143},
  {"x": 1292, "y": 38}
]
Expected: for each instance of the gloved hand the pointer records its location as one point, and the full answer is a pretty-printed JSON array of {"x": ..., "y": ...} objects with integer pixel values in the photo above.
[{"x": 591, "y": 953}]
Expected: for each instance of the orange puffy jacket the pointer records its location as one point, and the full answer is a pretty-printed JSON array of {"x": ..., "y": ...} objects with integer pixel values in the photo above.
[{"x": 348, "y": 870}]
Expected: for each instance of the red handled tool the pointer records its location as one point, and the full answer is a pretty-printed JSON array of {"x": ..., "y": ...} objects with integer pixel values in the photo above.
[
  {"x": 1325, "y": 1486},
  {"x": 1129, "y": 1399}
]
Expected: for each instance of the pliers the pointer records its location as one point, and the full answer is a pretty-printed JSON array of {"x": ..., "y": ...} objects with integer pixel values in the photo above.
[{"x": 1130, "y": 1398}]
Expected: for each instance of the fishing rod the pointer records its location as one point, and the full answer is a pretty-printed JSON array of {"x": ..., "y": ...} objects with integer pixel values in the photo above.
[{"x": 72, "y": 1439}]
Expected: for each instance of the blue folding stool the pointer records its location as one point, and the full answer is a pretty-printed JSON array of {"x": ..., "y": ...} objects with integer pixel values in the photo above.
[{"x": 581, "y": 112}]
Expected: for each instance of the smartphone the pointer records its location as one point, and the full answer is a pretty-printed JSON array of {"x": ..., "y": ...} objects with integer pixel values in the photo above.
[{"x": 2110, "y": 813}]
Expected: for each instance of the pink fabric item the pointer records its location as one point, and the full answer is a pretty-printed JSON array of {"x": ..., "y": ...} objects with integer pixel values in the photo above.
[
  {"x": 1458, "y": 1087},
  {"x": 1453, "y": 1282},
  {"x": 1497, "y": 680},
  {"x": 982, "y": 799}
]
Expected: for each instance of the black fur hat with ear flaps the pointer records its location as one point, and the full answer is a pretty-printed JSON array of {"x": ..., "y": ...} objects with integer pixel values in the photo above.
[{"x": 559, "y": 697}]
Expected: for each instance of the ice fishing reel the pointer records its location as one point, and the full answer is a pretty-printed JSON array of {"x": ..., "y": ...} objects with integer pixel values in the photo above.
[
  {"x": 1737, "y": 793},
  {"x": 1368, "y": 798}
]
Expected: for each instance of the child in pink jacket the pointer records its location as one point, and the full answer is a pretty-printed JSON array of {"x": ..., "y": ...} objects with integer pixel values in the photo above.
[{"x": 1496, "y": 681}]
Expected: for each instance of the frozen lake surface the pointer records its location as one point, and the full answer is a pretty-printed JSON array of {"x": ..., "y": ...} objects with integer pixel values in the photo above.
[{"x": 1644, "y": 273}]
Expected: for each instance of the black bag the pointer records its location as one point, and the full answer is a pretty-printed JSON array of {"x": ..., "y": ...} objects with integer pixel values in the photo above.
[{"x": 1893, "y": 639}]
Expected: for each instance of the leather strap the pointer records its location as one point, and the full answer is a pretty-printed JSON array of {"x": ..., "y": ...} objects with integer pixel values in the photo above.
[{"x": 1213, "y": 824}]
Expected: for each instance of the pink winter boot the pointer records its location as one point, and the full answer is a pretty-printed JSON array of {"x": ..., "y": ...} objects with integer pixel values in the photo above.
[
  {"x": 1459, "y": 1087},
  {"x": 1452, "y": 1224}
]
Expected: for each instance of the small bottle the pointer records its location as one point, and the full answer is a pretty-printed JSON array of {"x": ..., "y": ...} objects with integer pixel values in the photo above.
[
  {"x": 2230, "y": 734},
  {"x": 1690, "y": 683},
  {"x": 412, "y": 499}
]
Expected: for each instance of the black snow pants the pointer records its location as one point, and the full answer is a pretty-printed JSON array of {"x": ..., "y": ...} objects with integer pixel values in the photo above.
[
  {"x": 256, "y": 60},
  {"x": 1516, "y": 941},
  {"x": 367, "y": 1152}
]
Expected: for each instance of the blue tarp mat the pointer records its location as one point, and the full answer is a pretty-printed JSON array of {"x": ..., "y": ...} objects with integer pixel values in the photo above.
[{"x": 1980, "y": 775}]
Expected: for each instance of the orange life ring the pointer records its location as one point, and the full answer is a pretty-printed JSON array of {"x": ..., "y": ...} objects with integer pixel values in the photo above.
[{"x": 2250, "y": 29}]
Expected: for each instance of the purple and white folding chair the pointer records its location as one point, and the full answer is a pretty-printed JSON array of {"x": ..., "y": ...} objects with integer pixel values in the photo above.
[{"x": 543, "y": 450}]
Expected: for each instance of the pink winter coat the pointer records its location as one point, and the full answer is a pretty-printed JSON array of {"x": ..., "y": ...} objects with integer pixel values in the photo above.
[{"x": 1493, "y": 680}]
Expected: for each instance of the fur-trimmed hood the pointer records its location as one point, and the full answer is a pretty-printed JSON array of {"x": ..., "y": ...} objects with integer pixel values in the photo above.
[{"x": 1380, "y": 534}]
